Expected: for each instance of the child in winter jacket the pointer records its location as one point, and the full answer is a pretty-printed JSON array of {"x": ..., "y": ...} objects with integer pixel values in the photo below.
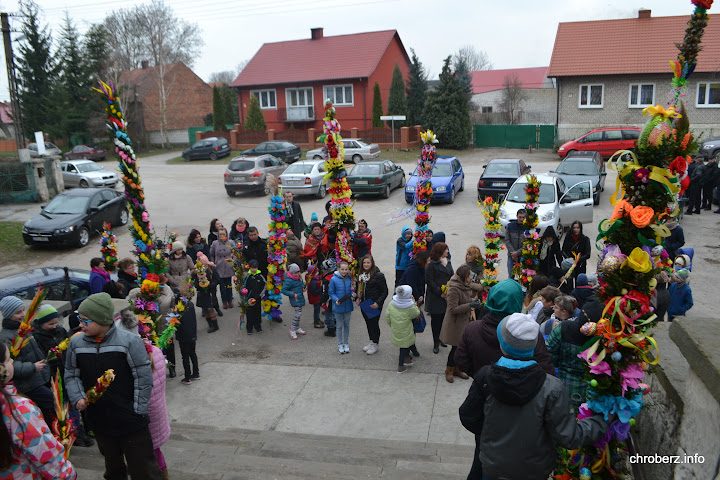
[
  {"x": 403, "y": 247},
  {"x": 328, "y": 270},
  {"x": 680, "y": 295},
  {"x": 186, "y": 336},
  {"x": 313, "y": 245},
  {"x": 293, "y": 288},
  {"x": 341, "y": 295},
  {"x": 314, "y": 288},
  {"x": 583, "y": 290},
  {"x": 255, "y": 285},
  {"x": 400, "y": 315}
]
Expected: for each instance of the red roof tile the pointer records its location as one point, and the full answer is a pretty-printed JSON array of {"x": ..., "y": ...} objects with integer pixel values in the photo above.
[
  {"x": 628, "y": 46},
  {"x": 6, "y": 113},
  {"x": 305, "y": 61},
  {"x": 490, "y": 80}
]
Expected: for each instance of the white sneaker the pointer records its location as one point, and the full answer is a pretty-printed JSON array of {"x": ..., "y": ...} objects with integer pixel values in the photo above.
[
  {"x": 373, "y": 349},
  {"x": 341, "y": 350},
  {"x": 346, "y": 348},
  {"x": 300, "y": 331},
  {"x": 367, "y": 347},
  {"x": 293, "y": 334}
]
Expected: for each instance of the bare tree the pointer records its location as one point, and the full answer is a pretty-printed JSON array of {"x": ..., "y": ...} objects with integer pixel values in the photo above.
[
  {"x": 512, "y": 98},
  {"x": 226, "y": 76},
  {"x": 475, "y": 59},
  {"x": 241, "y": 66}
]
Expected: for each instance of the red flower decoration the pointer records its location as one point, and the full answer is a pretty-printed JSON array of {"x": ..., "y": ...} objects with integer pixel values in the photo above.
[
  {"x": 678, "y": 165},
  {"x": 706, "y": 4},
  {"x": 153, "y": 277}
]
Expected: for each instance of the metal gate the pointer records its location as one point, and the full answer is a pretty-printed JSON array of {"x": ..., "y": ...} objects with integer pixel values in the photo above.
[
  {"x": 515, "y": 136},
  {"x": 17, "y": 183}
]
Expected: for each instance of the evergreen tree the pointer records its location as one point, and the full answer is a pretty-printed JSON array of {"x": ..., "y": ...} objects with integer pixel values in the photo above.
[
  {"x": 218, "y": 110},
  {"x": 36, "y": 73},
  {"x": 464, "y": 78},
  {"x": 446, "y": 112},
  {"x": 416, "y": 91},
  {"x": 255, "y": 119},
  {"x": 377, "y": 107},
  {"x": 95, "y": 53},
  {"x": 73, "y": 86},
  {"x": 397, "y": 103},
  {"x": 232, "y": 110}
]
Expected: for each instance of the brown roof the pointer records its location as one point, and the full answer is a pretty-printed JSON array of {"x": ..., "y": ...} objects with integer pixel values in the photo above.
[
  {"x": 303, "y": 61},
  {"x": 490, "y": 80},
  {"x": 628, "y": 46}
]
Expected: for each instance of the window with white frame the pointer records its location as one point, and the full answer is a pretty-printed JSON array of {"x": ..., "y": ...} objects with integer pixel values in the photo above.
[
  {"x": 299, "y": 97},
  {"x": 641, "y": 95},
  {"x": 708, "y": 95},
  {"x": 266, "y": 98},
  {"x": 339, "y": 94},
  {"x": 591, "y": 96}
]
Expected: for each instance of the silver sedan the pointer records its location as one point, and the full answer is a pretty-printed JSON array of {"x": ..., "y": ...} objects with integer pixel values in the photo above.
[
  {"x": 86, "y": 173},
  {"x": 305, "y": 178},
  {"x": 356, "y": 150}
]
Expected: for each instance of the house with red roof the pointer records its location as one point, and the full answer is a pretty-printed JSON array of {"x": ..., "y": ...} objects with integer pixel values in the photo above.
[
  {"x": 292, "y": 79},
  {"x": 536, "y": 107},
  {"x": 7, "y": 125},
  {"x": 607, "y": 71}
]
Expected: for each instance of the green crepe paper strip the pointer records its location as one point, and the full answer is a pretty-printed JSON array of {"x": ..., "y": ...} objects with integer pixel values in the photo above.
[
  {"x": 165, "y": 339},
  {"x": 645, "y": 241},
  {"x": 605, "y": 233}
]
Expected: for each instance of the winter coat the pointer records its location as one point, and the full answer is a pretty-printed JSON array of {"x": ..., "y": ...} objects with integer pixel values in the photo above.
[
  {"x": 97, "y": 282},
  {"x": 128, "y": 281},
  {"x": 295, "y": 219},
  {"x": 26, "y": 377},
  {"x": 187, "y": 328},
  {"x": 166, "y": 303},
  {"x": 517, "y": 403},
  {"x": 582, "y": 246},
  {"x": 204, "y": 297},
  {"x": 675, "y": 241},
  {"x": 514, "y": 237},
  {"x": 157, "y": 409},
  {"x": 435, "y": 277},
  {"x": 477, "y": 275},
  {"x": 315, "y": 288},
  {"x": 257, "y": 250},
  {"x": 582, "y": 294},
  {"x": 414, "y": 276},
  {"x": 36, "y": 451},
  {"x": 439, "y": 237},
  {"x": 220, "y": 252},
  {"x": 293, "y": 289},
  {"x": 325, "y": 295},
  {"x": 239, "y": 237},
  {"x": 312, "y": 250},
  {"x": 479, "y": 346},
  {"x": 402, "y": 250},
  {"x": 553, "y": 254},
  {"x": 255, "y": 285},
  {"x": 457, "y": 315},
  {"x": 402, "y": 332},
  {"x": 375, "y": 289},
  {"x": 295, "y": 253},
  {"x": 341, "y": 288},
  {"x": 123, "y": 409},
  {"x": 179, "y": 269},
  {"x": 680, "y": 299},
  {"x": 212, "y": 236},
  {"x": 47, "y": 339},
  {"x": 192, "y": 250},
  {"x": 564, "y": 344},
  {"x": 362, "y": 244}
]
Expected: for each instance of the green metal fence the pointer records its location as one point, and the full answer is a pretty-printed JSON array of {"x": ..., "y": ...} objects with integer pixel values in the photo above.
[
  {"x": 515, "y": 136},
  {"x": 17, "y": 183},
  {"x": 192, "y": 130}
]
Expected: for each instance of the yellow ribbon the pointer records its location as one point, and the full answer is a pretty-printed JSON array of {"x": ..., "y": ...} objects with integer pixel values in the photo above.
[{"x": 660, "y": 110}]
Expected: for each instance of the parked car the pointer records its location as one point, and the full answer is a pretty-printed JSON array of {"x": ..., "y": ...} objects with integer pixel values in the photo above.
[
  {"x": 559, "y": 205},
  {"x": 498, "y": 175},
  {"x": 377, "y": 178},
  {"x": 210, "y": 148},
  {"x": 305, "y": 178},
  {"x": 606, "y": 141},
  {"x": 448, "y": 178},
  {"x": 356, "y": 150},
  {"x": 285, "y": 151},
  {"x": 86, "y": 173},
  {"x": 578, "y": 168},
  {"x": 710, "y": 148},
  {"x": 89, "y": 153},
  {"x": 71, "y": 217},
  {"x": 53, "y": 279},
  {"x": 249, "y": 174},
  {"x": 50, "y": 149}
]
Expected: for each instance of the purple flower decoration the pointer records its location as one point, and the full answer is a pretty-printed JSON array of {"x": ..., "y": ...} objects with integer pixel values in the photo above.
[
  {"x": 153, "y": 306},
  {"x": 642, "y": 175},
  {"x": 584, "y": 412},
  {"x": 140, "y": 304},
  {"x": 620, "y": 430}
]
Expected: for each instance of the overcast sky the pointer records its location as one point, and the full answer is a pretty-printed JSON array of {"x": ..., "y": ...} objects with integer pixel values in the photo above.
[{"x": 514, "y": 34}]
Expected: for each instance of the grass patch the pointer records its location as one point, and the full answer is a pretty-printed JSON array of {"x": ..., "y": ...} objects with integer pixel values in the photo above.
[
  {"x": 12, "y": 248},
  {"x": 9, "y": 154}
]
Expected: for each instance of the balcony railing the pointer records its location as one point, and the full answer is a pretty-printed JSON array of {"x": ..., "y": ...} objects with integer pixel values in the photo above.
[{"x": 296, "y": 114}]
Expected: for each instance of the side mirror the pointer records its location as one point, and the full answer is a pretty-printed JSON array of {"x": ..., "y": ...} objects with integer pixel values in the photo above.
[
  {"x": 484, "y": 166},
  {"x": 552, "y": 171},
  {"x": 42, "y": 207},
  {"x": 93, "y": 209},
  {"x": 603, "y": 173},
  {"x": 528, "y": 167},
  {"x": 565, "y": 200}
]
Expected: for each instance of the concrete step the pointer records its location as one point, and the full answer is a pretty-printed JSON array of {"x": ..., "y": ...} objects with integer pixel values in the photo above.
[{"x": 197, "y": 452}]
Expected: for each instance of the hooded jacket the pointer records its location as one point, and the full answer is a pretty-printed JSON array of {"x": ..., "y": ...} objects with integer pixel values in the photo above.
[
  {"x": 220, "y": 252},
  {"x": 553, "y": 255},
  {"x": 582, "y": 246},
  {"x": 436, "y": 275},
  {"x": 362, "y": 244},
  {"x": 157, "y": 408},
  {"x": 341, "y": 289},
  {"x": 523, "y": 407},
  {"x": 457, "y": 315},
  {"x": 47, "y": 339},
  {"x": 295, "y": 252},
  {"x": 187, "y": 328},
  {"x": 179, "y": 269},
  {"x": 257, "y": 250},
  {"x": 26, "y": 377},
  {"x": 402, "y": 333},
  {"x": 291, "y": 287},
  {"x": 439, "y": 237},
  {"x": 414, "y": 276},
  {"x": 402, "y": 250},
  {"x": 376, "y": 289},
  {"x": 680, "y": 299}
]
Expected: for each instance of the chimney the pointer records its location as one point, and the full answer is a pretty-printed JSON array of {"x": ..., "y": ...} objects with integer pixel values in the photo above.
[
  {"x": 644, "y": 13},
  {"x": 316, "y": 33},
  {"x": 145, "y": 64}
]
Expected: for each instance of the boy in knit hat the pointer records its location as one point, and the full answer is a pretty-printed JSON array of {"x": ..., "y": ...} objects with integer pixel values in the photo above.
[
  {"x": 514, "y": 402},
  {"x": 680, "y": 295},
  {"x": 120, "y": 416}
]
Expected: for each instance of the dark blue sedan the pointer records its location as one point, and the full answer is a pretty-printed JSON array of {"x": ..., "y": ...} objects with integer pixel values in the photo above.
[{"x": 448, "y": 178}]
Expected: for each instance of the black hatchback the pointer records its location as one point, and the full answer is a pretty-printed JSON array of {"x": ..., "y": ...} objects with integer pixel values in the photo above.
[
  {"x": 208, "y": 148},
  {"x": 499, "y": 175},
  {"x": 60, "y": 283},
  {"x": 71, "y": 217},
  {"x": 285, "y": 151}
]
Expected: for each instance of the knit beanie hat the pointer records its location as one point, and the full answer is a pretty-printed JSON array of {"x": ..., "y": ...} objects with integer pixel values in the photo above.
[
  {"x": 518, "y": 334},
  {"x": 9, "y": 305},
  {"x": 567, "y": 263},
  {"x": 253, "y": 264},
  {"x": 591, "y": 278},
  {"x": 505, "y": 298},
  {"x": 682, "y": 275},
  {"x": 403, "y": 297},
  {"x": 582, "y": 280},
  {"x": 45, "y": 314},
  {"x": 99, "y": 308},
  {"x": 314, "y": 217},
  {"x": 178, "y": 246},
  {"x": 293, "y": 268}
]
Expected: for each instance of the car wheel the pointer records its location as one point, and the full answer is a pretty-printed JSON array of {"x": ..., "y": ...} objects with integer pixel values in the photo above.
[
  {"x": 230, "y": 193},
  {"x": 84, "y": 183},
  {"x": 83, "y": 236},
  {"x": 186, "y": 158},
  {"x": 317, "y": 157},
  {"x": 356, "y": 158},
  {"x": 452, "y": 196},
  {"x": 322, "y": 191},
  {"x": 596, "y": 200},
  {"x": 570, "y": 152},
  {"x": 462, "y": 185},
  {"x": 408, "y": 199},
  {"x": 266, "y": 190},
  {"x": 124, "y": 217},
  {"x": 402, "y": 181},
  {"x": 213, "y": 157},
  {"x": 386, "y": 192}
]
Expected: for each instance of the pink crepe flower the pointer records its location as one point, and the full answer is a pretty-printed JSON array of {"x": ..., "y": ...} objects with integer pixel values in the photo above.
[
  {"x": 602, "y": 368},
  {"x": 631, "y": 377},
  {"x": 584, "y": 412}
]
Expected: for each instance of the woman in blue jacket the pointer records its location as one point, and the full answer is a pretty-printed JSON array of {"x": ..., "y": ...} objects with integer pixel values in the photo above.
[
  {"x": 341, "y": 295},
  {"x": 403, "y": 247}
]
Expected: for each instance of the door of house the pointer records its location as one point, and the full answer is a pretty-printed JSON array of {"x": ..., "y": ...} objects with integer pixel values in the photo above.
[{"x": 300, "y": 104}]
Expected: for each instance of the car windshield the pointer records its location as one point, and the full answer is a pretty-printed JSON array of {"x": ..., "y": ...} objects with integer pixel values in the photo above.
[
  {"x": 365, "y": 170},
  {"x": 502, "y": 169},
  {"x": 88, "y": 167},
  {"x": 517, "y": 193},
  {"x": 64, "y": 204},
  {"x": 220, "y": 142},
  {"x": 362, "y": 142},
  {"x": 440, "y": 170},
  {"x": 241, "y": 165},
  {"x": 303, "y": 168},
  {"x": 578, "y": 168}
]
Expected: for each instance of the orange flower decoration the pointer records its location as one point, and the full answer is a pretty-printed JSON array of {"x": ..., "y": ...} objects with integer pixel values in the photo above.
[
  {"x": 641, "y": 216},
  {"x": 622, "y": 208}
]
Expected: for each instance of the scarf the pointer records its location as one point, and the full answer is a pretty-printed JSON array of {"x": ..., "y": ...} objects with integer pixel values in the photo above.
[
  {"x": 544, "y": 250},
  {"x": 576, "y": 238},
  {"x": 294, "y": 276},
  {"x": 102, "y": 272},
  {"x": 401, "y": 302},
  {"x": 198, "y": 246}
]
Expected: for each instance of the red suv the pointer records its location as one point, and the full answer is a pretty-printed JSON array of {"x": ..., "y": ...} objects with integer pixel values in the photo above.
[{"x": 606, "y": 141}]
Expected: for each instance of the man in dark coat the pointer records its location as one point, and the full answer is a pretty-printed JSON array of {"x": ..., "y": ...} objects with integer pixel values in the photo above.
[
  {"x": 514, "y": 240},
  {"x": 696, "y": 172},
  {"x": 256, "y": 249},
  {"x": 294, "y": 215},
  {"x": 711, "y": 175}
]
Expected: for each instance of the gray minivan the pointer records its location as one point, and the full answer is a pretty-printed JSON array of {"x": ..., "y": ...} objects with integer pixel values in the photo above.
[{"x": 248, "y": 174}]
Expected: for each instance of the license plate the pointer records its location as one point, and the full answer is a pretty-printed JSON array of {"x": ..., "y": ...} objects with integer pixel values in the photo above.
[
  {"x": 41, "y": 239},
  {"x": 294, "y": 182},
  {"x": 361, "y": 182},
  {"x": 499, "y": 184},
  {"x": 238, "y": 178}
]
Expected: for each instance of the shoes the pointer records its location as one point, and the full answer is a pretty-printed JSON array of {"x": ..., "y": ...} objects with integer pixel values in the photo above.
[
  {"x": 278, "y": 320},
  {"x": 449, "y": 374},
  {"x": 436, "y": 347},
  {"x": 367, "y": 347},
  {"x": 459, "y": 373},
  {"x": 402, "y": 369},
  {"x": 249, "y": 332},
  {"x": 443, "y": 344},
  {"x": 415, "y": 352},
  {"x": 707, "y": 208},
  {"x": 373, "y": 349},
  {"x": 300, "y": 331},
  {"x": 195, "y": 376},
  {"x": 83, "y": 441},
  {"x": 688, "y": 213},
  {"x": 330, "y": 332},
  {"x": 293, "y": 334},
  {"x": 319, "y": 325},
  {"x": 171, "y": 371},
  {"x": 408, "y": 364},
  {"x": 186, "y": 381},
  {"x": 219, "y": 313},
  {"x": 341, "y": 348},
  {"x": 717, "y": 211},
  {"x": 213, "y": 326},
  {"x": 408, "y": 361},
  {"x": 258, "y": 330},
  {"x": 346, "y": 348}
]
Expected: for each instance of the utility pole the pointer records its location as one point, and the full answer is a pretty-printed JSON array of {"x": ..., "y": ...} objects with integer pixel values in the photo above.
[{"x": 20, "y": 140}]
